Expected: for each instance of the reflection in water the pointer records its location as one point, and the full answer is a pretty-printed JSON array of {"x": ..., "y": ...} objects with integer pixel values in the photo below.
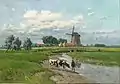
[{"x": 100, "y": 74}]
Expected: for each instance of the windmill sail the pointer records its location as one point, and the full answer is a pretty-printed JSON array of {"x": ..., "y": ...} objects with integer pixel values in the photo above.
[{"x": 73, "y": 29}]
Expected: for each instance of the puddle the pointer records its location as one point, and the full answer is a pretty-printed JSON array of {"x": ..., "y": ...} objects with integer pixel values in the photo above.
[{"x": 100, "y": 74}]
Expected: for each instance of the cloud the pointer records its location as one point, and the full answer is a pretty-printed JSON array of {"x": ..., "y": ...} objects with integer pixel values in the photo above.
[
  {"x": 91, "y": 13},
  {"x": 40, "y": 23},
  {"x": 13, "y": 9},
  {"x": 79, "y": 18},
  {"x": 36, "y": 20},
  {"x": 103, "y": 18},
  {"x": 89, "y": 8},
  {"x": 34, "y": 23},
  {"x": 42, "y": 15}
]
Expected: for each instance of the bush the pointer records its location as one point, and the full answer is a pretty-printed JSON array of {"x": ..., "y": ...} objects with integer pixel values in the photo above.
[{"x": 99, "y": 45}]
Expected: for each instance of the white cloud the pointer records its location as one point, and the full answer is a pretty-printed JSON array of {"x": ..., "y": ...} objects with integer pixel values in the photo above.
[
  {"x": 34, "y": 23},
  {"x": 56, "y": 29},
  {"x": 89, "y": 9},
  {"x": 79, "y": 18},
  {"x": 38, "y": 24},
  {"x": 35, "y": 20},
  {"x": 42, "y": 16},
  {"x": 103, "y": 18},
  {"x": 91, "y": 13},
  {"x": 30, "y": 14},
  {"x": 13, "y": 9}
]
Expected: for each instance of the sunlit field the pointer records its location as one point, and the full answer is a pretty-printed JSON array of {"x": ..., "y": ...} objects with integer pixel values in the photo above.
[
  {"x": 21, "y": 66},
  {"x": 99, "y": 58}
]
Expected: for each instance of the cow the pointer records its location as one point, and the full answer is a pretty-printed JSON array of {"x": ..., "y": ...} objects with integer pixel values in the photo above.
[
  {"x": 52, "y": 61},
  {"x": 63, "y": 63},
  {"x": 59, "y": 62}
]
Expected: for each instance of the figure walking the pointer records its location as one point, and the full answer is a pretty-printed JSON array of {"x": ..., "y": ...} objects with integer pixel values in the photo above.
[{"x": 73, "y": 65}]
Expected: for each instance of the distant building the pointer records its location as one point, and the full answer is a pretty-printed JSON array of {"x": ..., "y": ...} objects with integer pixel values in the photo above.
[
  {"x": 75, "y": 38},
  {"x": 40, "y": 44}
]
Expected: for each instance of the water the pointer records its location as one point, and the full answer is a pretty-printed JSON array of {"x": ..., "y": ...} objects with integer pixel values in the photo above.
[{"x": 100, "y": 74}]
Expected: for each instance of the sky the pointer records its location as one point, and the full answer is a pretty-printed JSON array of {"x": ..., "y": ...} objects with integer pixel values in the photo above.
[{"x": 97, "y": 21}]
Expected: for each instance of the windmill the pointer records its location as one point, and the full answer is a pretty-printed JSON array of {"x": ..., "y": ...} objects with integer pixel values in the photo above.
[{"x": 75, "y": 37}]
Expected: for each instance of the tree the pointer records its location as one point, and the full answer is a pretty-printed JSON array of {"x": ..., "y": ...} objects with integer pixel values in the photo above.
[
  {"x": 99, "y": 45},
  {"x": 54, "y": 40},
  {"x": 62, "y": 40},
  {"x": 49, "y": 40},
  {"x": 8, "y": 42},
  {"x": 27, "y": 44},
  {"x": 17, "y": 44},
  {"x": 9, "y": 39}
]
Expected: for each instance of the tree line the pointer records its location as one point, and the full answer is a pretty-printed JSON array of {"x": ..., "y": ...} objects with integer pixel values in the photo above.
[
  {"x": 53, "y": 40},
  {"x": 14, "y": 43}
]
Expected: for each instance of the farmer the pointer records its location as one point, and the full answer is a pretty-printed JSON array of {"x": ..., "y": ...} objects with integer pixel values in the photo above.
[{"x": 73, "y": 65}]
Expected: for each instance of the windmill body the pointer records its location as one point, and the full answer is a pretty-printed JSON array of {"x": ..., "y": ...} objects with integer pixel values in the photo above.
[{"x": 75, "y": 38}]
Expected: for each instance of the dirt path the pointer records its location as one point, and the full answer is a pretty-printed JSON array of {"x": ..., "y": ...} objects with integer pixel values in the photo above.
[{"x": 65, "y": 76}]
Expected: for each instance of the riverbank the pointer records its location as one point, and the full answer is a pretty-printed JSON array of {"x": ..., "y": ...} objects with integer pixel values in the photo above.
[
  {"x": 66, "y": 76},
  {"x": 97, "y": 73}
]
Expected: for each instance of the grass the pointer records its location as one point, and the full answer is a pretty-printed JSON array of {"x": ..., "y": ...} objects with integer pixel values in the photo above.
[
  {"x": 100, "y": 58},
  {"x": 103, "y": 49},
  {"x": 42, "y": 78},
  {"x": 21, "y": 66},
  {"x": 15, "y": 66}
]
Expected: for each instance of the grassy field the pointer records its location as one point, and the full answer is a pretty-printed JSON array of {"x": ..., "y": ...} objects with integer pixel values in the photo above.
[
  {"x": 99, "y": 58},
  {"x": 22, "y": 66}
]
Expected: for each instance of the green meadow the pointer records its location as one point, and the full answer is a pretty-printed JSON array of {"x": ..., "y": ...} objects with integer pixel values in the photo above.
[{"x": 22, "y": 66}]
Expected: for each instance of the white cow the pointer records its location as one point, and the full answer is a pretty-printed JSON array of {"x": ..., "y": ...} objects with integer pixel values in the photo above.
[
  {"x": 59, "y": 62},
  {"x": 52, "y": 61}
]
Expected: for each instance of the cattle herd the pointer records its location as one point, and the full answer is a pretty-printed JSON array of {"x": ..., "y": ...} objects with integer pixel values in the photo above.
[{"x": 63, "y": 63}]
